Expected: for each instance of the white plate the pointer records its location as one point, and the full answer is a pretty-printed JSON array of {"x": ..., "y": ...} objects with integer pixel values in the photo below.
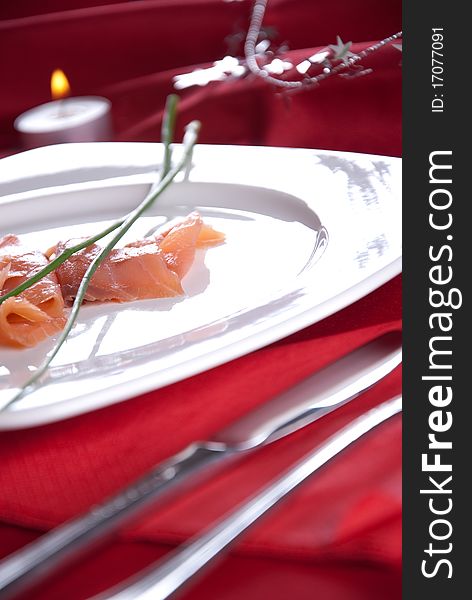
[{"x": 275, "y": 274}]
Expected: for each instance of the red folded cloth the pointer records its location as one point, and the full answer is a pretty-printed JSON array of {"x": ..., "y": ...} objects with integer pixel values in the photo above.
[
  {"x": 338, "y": 537},
  {"x": 130, "y": 51}
]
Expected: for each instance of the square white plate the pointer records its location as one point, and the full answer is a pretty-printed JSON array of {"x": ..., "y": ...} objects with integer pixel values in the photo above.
[{"x": 308, "y": 232}]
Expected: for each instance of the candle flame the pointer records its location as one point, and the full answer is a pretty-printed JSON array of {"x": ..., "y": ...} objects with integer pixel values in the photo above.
[{"x": 60, "y": 87}]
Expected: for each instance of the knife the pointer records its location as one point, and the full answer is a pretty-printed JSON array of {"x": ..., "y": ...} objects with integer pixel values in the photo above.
[
  {"x": 164, "y": 578},
  {"x": 319, "y": 394}
]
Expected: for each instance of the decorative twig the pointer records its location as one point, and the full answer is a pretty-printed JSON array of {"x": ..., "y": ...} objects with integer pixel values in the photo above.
[
  {"x": 267, "y": 63},
  {"x": 250, "y": 52},
  {"x": 190, "y": 138}
]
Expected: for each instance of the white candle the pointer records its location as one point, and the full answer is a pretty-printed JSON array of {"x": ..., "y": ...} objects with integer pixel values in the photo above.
[{"x": 79, "y": 119}]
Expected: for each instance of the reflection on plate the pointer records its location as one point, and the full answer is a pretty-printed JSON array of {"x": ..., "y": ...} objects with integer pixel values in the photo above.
[{"x": 276, "y": 273}]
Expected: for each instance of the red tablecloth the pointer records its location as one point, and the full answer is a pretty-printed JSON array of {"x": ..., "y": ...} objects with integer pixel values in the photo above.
[{"x": 339, "y": 536}]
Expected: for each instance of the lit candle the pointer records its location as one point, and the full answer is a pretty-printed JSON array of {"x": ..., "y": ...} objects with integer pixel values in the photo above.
[{"x": 74, "y": 119}]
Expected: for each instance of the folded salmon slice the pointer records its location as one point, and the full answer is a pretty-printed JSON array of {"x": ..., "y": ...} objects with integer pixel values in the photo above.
[
  {"x": 126, "y": 274},
  {"x": 180, "y": 240},
  {"x": 209, "y": 237},
  {"x": 180, "y": 243},
  {"x": 38, "y": 312},
  {"x": 148, "y": 268}
]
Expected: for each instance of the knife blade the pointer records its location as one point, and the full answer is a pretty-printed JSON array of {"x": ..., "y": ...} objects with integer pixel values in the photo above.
[{"x": 319, "y": 394}]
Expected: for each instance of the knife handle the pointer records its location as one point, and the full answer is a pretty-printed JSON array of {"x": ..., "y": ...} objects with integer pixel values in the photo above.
[{"x": 62, "y": 545}]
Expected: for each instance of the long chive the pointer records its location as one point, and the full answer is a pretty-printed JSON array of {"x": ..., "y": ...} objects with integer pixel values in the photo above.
[
  {"x": 188, "y": 166},
  {"x": 167, "y": 131},
  {"x": 168, "y": 125},
  {"x": 190, "y": 138}
]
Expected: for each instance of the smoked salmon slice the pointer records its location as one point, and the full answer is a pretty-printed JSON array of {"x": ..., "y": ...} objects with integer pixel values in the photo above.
[
  {"x": 126, "y": 274},
  {"x": 180, "y": 240},
  {"x": 209, "y": 237},
  {"x": 148, "y": 268},
  {"x": 38, "y": 312},
  {"x": 180, "y": 243}
]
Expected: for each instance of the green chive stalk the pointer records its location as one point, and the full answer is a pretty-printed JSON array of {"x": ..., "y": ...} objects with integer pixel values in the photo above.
[{"x": 167, "y": 131}]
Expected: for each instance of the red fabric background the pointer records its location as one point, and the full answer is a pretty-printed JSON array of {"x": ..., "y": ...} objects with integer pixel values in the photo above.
[
  {"x": 339, "y": 536},
  {"x": 129, "y": 52}
]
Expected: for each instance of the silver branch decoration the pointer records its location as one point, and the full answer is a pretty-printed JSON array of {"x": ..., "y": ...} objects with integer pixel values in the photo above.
[{"x": 262, "y": 60}]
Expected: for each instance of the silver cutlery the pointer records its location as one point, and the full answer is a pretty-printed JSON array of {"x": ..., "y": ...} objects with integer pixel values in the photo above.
[
  {"x": 165, "y": 577},
  {"x": 319, "y": 394}
]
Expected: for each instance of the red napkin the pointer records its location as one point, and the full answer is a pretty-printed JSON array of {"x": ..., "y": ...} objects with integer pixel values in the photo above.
[{"x": 337, "y": 537}]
